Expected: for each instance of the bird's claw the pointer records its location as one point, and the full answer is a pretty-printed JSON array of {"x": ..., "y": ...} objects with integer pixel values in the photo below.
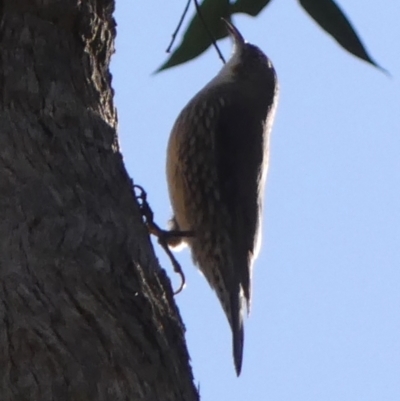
[{"x": 165, "y": 237}]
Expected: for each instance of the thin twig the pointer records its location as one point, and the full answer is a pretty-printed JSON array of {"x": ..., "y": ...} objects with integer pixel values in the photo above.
[
  {"x": 210, "y": 34},
  {"x": 178, "y": 27}
]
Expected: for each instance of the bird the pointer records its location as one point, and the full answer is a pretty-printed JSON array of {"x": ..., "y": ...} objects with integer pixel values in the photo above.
[{"x": 217, "y": 162}]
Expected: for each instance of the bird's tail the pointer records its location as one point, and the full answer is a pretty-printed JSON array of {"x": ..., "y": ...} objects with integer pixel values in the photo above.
[{"x": 236, "y": 322}]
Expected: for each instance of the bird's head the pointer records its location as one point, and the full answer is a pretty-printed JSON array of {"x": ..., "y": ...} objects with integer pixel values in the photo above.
[{"x": 247, "y": 60}]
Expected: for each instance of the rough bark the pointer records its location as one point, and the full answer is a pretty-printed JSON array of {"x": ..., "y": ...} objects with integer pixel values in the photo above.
[{"x": 86, "y": 312}]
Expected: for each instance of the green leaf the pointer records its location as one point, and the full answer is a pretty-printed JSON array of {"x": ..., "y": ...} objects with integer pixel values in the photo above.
[
  {"x": 331, "y": 18},
  {"x": 197, "y": 38},
  {"x": 251, "y": 7}
]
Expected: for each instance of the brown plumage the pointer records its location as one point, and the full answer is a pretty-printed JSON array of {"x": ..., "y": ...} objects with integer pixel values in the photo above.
[{"x": 217, "y": 162}]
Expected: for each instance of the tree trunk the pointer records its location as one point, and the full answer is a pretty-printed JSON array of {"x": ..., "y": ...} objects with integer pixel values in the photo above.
[{"x": 86, "y": 311}]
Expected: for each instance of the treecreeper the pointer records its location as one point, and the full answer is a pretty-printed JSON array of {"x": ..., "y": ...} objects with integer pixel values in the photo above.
[{"x": 217, "y": 162}]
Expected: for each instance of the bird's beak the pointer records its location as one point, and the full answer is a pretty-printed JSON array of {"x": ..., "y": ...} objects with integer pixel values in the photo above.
[{"x": 235, "y": 34}]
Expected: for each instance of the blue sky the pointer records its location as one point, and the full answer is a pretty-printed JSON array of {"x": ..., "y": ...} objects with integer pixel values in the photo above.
[{"x": 325, "y": 320}]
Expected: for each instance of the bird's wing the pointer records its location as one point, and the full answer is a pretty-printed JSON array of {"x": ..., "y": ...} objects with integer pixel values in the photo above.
[{"x": 240, "y": 152}]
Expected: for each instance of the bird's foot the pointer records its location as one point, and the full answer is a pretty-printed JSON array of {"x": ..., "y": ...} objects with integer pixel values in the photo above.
[{"x": 166, "y": 238}]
